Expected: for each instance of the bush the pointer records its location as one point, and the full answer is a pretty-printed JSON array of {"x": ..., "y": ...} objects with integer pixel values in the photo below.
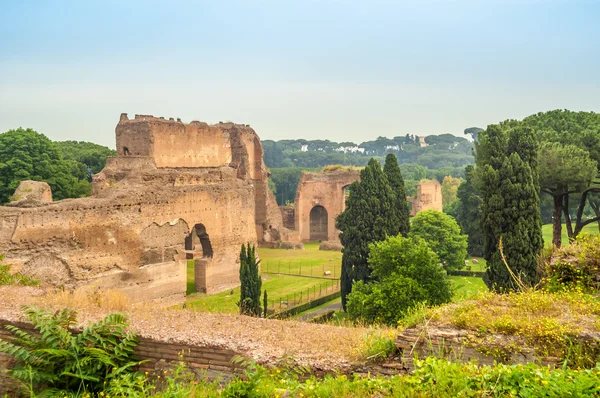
[
  {"x": 574, "y": 267},
  {"x": 54, "y": 359},
  {"x": 442, "y": 233},
  {"x": 405, "y": 273}
]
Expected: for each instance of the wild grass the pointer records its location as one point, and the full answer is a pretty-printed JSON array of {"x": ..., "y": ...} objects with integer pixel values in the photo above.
[{"x": 549, "y": 323}]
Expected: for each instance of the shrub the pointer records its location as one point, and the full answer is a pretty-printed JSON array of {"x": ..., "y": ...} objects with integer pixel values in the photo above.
[
  {"x": 442, "y": 233},
  {"x": 405, "y": 273},
  {"x": 54, "y": 359},
  {"x": 574, "y": 267}
]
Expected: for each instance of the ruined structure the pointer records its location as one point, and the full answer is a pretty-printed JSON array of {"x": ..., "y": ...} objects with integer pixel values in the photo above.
[
  {"x": 428, "y": 197},
  {"x": 321, "y": 196},
  {"x": 173, "y": 192}
]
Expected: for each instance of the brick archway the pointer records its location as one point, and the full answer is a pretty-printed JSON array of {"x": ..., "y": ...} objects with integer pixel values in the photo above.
[{"x": 319, "y": 227}]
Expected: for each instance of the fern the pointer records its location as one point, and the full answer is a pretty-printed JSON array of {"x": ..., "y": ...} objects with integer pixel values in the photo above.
[{"x": 55, "y": 359}]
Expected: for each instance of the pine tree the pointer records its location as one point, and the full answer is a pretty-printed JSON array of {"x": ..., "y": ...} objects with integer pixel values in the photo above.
[
  {"x": 250, "y": 282},
  {"x": 394, "y": 176},
  {"x": 368, "y": 217},
  {"x": 508, "y": 181}
]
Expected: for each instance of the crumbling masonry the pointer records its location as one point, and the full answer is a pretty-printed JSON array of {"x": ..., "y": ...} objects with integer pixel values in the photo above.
[{"x": 173, "y": 192}]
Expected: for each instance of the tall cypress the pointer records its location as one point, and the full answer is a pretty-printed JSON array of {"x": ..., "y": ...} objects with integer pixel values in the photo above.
[
  {"x": 508, "y": 181},
  {"x": 368, "y": 218},
  {"x": 250, "y": 281},
  {"x": 394, "y": 176}
]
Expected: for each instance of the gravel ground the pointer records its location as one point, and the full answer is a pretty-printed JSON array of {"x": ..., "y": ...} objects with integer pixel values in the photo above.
[{"x": 321, "y": 347}]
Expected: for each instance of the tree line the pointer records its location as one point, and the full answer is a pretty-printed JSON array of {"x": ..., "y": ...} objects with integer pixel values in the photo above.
[
  {"x": 66, "y": 166},
  {"x": 445, "y": 150}
]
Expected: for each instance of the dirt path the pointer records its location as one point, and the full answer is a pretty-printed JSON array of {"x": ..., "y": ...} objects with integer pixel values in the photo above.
[{"x": 331, "y": 307}]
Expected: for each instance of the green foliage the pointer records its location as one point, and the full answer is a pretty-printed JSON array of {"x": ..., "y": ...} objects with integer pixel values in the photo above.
[
  {"x": 55, "y": 360},
  {"x": 250, "y": 281},
  {"x": 432, "y": 377},
  {"x": 8, "y": 278},
  {"x": 378, "y": 346},
  {"x": 400, "y": 205},
  {"x": 28, "y": 155},
  {"x": 574, "y": 267},
  {"x": 507, "y": 178},
  {"x": 370, "y": 216},
  {"x": 442, "y": 234},
  {"x": 265, "y": 304},
  {"x": 405, "y": 272},
  {"x": 449, "y": 189},
  {"x": 468, "y": 211},
  {"x": 91, "y": 156}
]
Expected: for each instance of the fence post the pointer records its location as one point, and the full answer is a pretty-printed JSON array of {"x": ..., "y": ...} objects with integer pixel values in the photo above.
[
  {"x": 300, "y": 268},
  {"x": 279, "y": 267}
]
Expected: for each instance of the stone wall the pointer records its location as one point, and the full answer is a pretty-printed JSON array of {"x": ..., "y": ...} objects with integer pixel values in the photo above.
[
  {"x": 323, "y": 195},
  {"x": 454, "y": 345},
  {"x": 428, "y": 197},
  {"x": 131, "y": 234}
]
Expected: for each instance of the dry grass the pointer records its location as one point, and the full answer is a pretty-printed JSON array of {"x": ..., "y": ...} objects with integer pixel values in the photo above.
[
  {"x": 340, "y": 168},
  {"x": 267, "y": 341}
]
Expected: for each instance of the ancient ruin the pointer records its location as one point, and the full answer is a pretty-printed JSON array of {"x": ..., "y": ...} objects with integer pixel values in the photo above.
[
  {"x": 173, "y": 192},
  {"x": 428, "y": 197},
  {"x": 321, "y": 196}
]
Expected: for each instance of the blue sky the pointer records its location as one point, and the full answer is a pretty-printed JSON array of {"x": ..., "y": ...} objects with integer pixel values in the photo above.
[{"x": 338, "y": 70}]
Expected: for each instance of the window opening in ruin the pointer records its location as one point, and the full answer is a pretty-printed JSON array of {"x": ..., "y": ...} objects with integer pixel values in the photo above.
[
  {"x": 126, "y": 151},
  {"x": 318, "y": 224},
  {"x": 199, "y": 239}
]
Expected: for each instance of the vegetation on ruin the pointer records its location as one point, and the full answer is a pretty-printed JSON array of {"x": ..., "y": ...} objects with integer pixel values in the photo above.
[
  {"x": 442, "y": 234},
  {"x": 14, "y": 278}
]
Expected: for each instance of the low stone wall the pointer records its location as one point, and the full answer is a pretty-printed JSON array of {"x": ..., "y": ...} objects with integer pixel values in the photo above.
[
  {"x": 210, "y": 361},
  {"x": 454, "y": 345}
]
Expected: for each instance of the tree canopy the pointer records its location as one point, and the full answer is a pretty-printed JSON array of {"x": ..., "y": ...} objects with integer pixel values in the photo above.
[
  {"x": 370, "y": 216},
  {"x": 405, "y": 272},
  {"x": 442, "y": 234},
  {"x": 507, "y": 178}
]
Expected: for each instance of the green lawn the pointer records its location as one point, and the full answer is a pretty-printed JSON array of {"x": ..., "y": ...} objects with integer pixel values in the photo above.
[
  {"x": 466, "y": 286},
  {"x": 279, "y": 287},
  {"x": 547, "y": 233},
  {"x": 308, "y": 262},
  {"x": 480, "y": 266}
]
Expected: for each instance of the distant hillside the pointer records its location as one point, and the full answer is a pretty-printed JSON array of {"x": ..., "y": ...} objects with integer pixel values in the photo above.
[{"x": 433, "y": 152}]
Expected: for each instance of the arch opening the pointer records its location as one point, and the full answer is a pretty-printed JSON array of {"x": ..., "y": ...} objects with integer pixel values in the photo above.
[
  {"x": 318, "y": 224},
  {"x": 199, "y": 239}
]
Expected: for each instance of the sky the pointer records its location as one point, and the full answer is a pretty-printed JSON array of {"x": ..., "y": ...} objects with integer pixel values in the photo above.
[{"x": 338, "y": 70}]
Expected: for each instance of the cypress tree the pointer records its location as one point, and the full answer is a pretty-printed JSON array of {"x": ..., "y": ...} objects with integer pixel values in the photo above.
[
  {"x": 468, "y": 212},
  {"x": 508, "y": 181},
  {"x": 250, "y": 282},
  {"x": 368, "y": 218},
  {"x": 394, "y": 176}
]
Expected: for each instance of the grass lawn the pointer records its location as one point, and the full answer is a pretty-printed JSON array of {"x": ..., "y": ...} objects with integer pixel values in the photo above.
[
  {"x": 308, "y": 262},
  {"x": 279, "y": 287},
  {"x": 466, "y": 286},
  {"x": 591, "y": 229},
  {"x": 480, "y": 266}
]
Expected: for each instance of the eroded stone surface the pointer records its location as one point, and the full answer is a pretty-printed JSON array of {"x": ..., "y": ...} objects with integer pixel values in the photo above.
[{"x": 174, "y": 192}]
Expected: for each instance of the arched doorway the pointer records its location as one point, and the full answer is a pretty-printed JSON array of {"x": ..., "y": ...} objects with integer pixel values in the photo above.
[
  {"x": 318, "y": 224},
  {"x": 198, "y": 239}
]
